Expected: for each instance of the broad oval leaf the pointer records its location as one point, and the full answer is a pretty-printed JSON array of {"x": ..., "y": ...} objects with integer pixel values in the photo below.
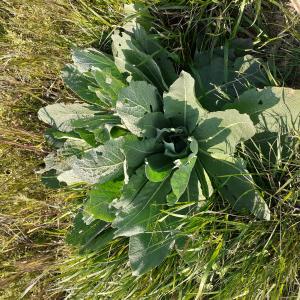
[
  {"x": 181, "y": 104},
  {"x": 101, "y": 164},
  {"x": 136, "y": 100},
  {"x": 81, "y": 84},
  {"x": 235, "y": 184},
  {"x": 272, "y": 109},
  {"x": 143, "y": 210},
  {"x": 86, "y": 59},
  {"x": 222, "y": 131},
  {"x": 149, "y": 250},
  {"x": 129, "y": 58},
  {"x": 100, "y": 198},
  {"x": 61, "y": 115}
]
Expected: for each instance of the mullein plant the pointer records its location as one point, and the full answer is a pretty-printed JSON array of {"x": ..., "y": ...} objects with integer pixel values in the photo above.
[{"x": 156, "y": 144}]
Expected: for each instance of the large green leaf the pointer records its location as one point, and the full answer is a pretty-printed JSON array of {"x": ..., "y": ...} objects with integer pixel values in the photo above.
[
  {"x": 100, "y": 199},
  {"x": 129, "y": 59},
  {"x": 149, "y": 250},
  {"x": 108, "y": 86},
  {"x": 61, "y": 115},
  {"x": 59, "y": 168},
  {"x": 70, "y": 177},
  {"x": 138, "y": 99},
  {"x": 86, "y": 59},
  {"x": 142, "y": 212},
  {"x": 101, "y": 164},
  {"x": 137, "y": 150},
  {"x": 222, "y": 78},
  {"x": 273, "y": 109},
  {"x": 181, "y": 104},
  {"x": 96, "y": 121},
  {"x": 194, "y": 191},
  {"x": 131, "y": 189},
  {"x": 235, "y": 184},
  {"x": 222, "y": 131},
  {"x": 81, "y": 84},
  {"x": 89, "y": 237},
  {"x": 149, "y": 45}
]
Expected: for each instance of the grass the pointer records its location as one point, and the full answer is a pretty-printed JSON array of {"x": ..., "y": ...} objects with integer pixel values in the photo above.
[
  {"x": 232, "y": 257},
  {"x": 35, "y": 43}
]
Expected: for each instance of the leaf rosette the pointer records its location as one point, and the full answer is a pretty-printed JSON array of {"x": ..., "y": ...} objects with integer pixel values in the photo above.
[{"x": 154, "y": 145}]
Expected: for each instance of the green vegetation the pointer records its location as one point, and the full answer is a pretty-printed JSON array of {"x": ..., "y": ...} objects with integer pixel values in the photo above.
[{"x": 231, "y": 256}]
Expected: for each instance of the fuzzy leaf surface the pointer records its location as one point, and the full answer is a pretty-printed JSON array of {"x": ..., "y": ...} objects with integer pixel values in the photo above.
[
  {"x": 81, "y": 84},
  {"x": 149, "y": 250},
  {"x": 235, "y": 184},
  {"x": 222, "y": 131},
  {"x": 138, "y": 99},
  {"x": 141, "y": 214},
  {"x": 100, "y": 199},
  {"x": 101, "y": 164},
  {"x": 61, "y": 115},
  {"x": 181, "y": 104},
  {"x": 138, "y": 64},
  {"x": 272, "y": 109}
]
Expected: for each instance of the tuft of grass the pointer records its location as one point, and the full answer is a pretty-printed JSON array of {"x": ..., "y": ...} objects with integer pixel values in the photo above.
[
  {"x": 273, "y": 26},
  {"x": 35, "y": 42}
]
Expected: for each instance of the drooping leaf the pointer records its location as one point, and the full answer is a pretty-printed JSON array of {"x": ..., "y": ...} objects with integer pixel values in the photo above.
[
  {"x": 138, "y": 99},
  {"x": 181, "y": 104},
  {"x": 57, "y": 162},
  {"x": 222, "y": 131},
  {"x": 86, "y": 59},
  {"x": 272, "y": 109},
  {"x": 235, "y": 184},
  {"x": 149, "y": 250},
  {"x": 143, "y": 210},
  {"x": 61, "y": 115},
  {"x": 81, "y": 84},
  {"x": 101, "y": 164},
  {"x": 100, "y": 199},
  {"x": 91, "y": 237},
  {"x": 141, "y": 66}
]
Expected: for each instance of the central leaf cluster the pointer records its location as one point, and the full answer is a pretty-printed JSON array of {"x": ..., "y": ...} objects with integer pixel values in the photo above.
[{"x": 155, "y": 145}]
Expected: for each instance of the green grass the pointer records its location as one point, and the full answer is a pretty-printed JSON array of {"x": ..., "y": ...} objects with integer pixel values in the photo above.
[
  {"x": 234, "y": 257},
  {"x": 35, "y": 42}
]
